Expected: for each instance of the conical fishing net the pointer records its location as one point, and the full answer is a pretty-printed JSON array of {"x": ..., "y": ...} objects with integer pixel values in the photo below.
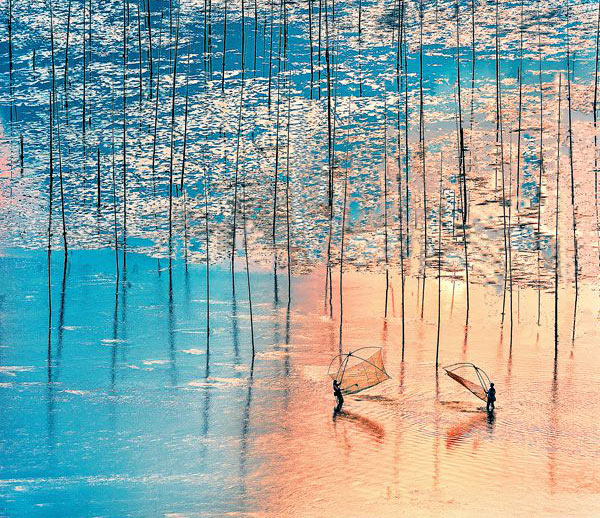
[
  {"x": 359, "y": 371},
  {"x": 479, "y": 383}
]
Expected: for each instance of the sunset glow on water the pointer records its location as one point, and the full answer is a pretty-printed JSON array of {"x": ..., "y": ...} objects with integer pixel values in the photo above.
[{"x": 204, "y": 206}]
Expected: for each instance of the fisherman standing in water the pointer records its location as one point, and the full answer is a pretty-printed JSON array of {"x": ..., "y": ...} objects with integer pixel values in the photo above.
[
  {"x": 491, "y": 398},
  {"x": 337, "y": 392}
]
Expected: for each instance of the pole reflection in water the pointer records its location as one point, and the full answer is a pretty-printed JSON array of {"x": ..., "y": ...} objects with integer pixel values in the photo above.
[
  {"x": 287, "y": 362},
  {"x": 49, "y": 376},
  {"x": 245, "y": 432},
  {"x": 171, "y": 339},
  {"x": 206, "y": 399},
  {"x": 124, "y": 308},
  {"x": 436, "y": 451},
  {"x": 61, "y": 313},
  {"x": 114, "y": 348},
  {"x": 50, "y": 414},
  {"x": 553, "y": 424}
]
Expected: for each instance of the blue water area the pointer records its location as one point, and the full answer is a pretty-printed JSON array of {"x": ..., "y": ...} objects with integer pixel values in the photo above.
[{"x": 121, "y": 409}]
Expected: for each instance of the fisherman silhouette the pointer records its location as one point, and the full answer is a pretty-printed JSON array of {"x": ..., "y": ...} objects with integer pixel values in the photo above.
[
  {"x": 491, "y": 398},
  {"x": 337, "y": 392}
]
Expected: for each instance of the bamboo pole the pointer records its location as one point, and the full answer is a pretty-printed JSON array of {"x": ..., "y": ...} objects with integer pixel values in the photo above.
[
  {"x": 520, "y": 106},
  {"x": 330, "y": 159},
  {"x": 237, "y": 167},
  {"x": 150, "y": 56},
  {"x": 114, "y": 184},
  {"x": 572, "y": 170},
  {"x": 185, "y": 119},
  {"x": 556, "y": 233},
  {"x": 173, "y": 95},
  {"x": 66, "y": 71},
  {"x": 406, "y": 128},
  {"x": 51, "y": 182},
  {"x": 360, "y": 89},
  {"x": 399, "y": 78},
  {"x": 276, "y": 172},
  {"x": 125, "y": 8},
  {"x": 255, "y": 33},
  {"x": 84, "y": 71},
  {"x": 385, "y": 201},
  {"x": 422, "y": 146},
  {"x": 541, "y": 167},
  {"x": 439, "y": 265},
  {"x": 287, "y": 162},
  {"x": 270, "y": 58},
  {"x": 462, "y": 161},
  {"x": 310, "y": 44},
  {"x": 224, "y": 48},
  {"x": 244, "y": 216},
  {"x": 595, "y": 112},
  {"x": 343, "y": 229},
  {"x": 500, "y": 153},
  {"x": 56, "y": 117},
  {"x": 139, "y": 34},
  {"x": 207, "y": 233}
]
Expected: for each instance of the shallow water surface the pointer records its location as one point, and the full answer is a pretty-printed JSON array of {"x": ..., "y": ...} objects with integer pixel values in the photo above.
[{"x": 123, "y": 411}]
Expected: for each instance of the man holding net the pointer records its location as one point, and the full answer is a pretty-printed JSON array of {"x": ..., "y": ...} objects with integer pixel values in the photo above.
[
  {"x": 337, "y": 392},
  {"x": 491, "y": 398}
]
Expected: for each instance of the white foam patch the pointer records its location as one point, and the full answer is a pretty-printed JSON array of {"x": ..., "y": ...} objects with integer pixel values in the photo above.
[
  {"x": 12, "y": 370},
  {"x": 135, "y": 367},
  {"x": 198, "y": 384},
  {"x": 193, "y": 351},
  {"x": 213, "y": 382}
]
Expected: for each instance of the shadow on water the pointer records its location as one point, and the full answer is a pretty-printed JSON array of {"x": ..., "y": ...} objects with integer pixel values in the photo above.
[
  {"x": 115, "y": 339},
  {"x": 171, "y": 334},
  {"x": 436, "y": 420},
  {"x": 275, "y": 286},
  {"x": 245, "y": 431},
  {"x": 54, "y": 357},
  {"x": 553, "y": 426},
  {"x": 206, "y": 401},
  {"x": 371, "y": 427},
  {"x": 276, "y": 322},
  {"x": 125, "y": 284},
  {"x": 113, "y": 360},
  {"x": 61, "y": 314},
  {"x": 376, "y": 397},
  {"x": 491, "y": 420},
  {"x": 464, "y": 429},
  {"x": 287, "y": 362},
  {"x": 235, "y": 330}
]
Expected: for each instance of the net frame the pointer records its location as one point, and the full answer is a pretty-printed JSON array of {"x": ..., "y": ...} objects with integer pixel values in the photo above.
[
  {"x": 380, "y": 374},
  {"x": 482, "y": 377}
]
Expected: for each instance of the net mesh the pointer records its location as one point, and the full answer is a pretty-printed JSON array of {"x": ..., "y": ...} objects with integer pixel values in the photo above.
[
  {"x": 358, "y": 372},
  {"x": 473, "y": 387}
]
